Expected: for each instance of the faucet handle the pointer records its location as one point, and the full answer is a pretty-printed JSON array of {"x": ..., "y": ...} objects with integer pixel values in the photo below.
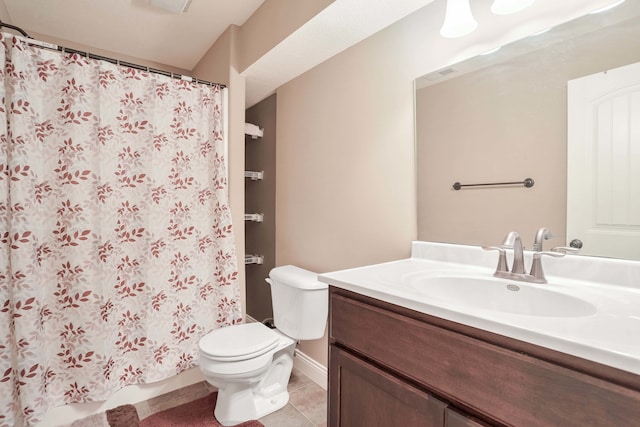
[
  {"x": 553, "y": 253},
  {"x": 565, "y": 250},
  {"x": 502, "y": 258}
]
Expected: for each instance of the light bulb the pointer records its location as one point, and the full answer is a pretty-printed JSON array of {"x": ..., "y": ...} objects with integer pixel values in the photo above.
[
  {"x": 506, "y": 7},
  {"x": 458, "y": 20}
]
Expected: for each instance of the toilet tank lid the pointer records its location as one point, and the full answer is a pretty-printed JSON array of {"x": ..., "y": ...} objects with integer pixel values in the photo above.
[{"x": 297, "y": 277}]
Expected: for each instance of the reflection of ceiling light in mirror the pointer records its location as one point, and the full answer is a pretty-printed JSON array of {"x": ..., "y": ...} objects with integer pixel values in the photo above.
[
  {"x": 611, "y": 6},
  {"x": 541, "y": 31},
  {"x": 506, "y": 7},
  {"x": 489, "y": 52},
  {"x": 458, "y": 20}
]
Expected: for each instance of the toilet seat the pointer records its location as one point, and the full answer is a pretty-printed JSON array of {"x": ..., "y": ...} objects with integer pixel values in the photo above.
[{"x": 238, "y": 342}]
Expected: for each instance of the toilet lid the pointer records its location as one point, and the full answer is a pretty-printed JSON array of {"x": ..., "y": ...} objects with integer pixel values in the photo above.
[{"x": 238, "y": 342}]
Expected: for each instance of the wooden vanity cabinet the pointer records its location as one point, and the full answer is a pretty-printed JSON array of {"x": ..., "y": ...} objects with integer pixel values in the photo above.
[
  {"x": 453, "y": 418},
  {"x": 391, "y": 366}
]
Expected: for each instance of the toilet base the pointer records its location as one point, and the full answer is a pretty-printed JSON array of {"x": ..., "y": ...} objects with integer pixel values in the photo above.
[
  {"x": 265, "y": 406},
  {"x": 225, "y": 415},
  {"x": 243, "y": 400}
]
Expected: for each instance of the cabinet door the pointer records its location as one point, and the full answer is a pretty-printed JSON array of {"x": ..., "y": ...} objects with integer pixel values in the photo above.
[
  {"x": 362, "y": 395},
  {"x": 456, "y": 419}
]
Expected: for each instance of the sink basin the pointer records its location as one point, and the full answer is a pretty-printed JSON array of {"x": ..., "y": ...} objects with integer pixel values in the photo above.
[
  {"x": 589, "y": 309},
  {"x": 506, "y": 296}
]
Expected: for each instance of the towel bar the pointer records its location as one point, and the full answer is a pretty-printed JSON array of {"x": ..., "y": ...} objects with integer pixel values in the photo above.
[{"x": 528, "y": 183}]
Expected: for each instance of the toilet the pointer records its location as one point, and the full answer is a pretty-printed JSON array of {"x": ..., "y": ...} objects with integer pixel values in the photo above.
[{"x": 250, "y": 363}]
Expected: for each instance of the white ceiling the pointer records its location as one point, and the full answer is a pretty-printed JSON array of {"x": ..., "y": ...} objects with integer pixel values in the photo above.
[
  {"x": 133, "y": 27},
  {"x": 136, "y": 29}
]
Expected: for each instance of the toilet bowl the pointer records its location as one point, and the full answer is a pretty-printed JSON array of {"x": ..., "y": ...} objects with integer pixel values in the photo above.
[{"x": 250, "y": 363}]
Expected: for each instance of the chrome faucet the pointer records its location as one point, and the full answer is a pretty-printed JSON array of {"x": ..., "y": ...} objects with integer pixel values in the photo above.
[
  {"x": 513, "y": 241},
  {"x": 542, "y": 234},
  {"x": 537, "y": 272}
]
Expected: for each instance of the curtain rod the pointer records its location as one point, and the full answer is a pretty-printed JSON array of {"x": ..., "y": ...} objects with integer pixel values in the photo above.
[{"x": 63, "y": 49}]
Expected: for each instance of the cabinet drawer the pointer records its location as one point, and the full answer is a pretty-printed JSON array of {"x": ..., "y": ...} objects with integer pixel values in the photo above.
[{"x": 508, "y": 387}]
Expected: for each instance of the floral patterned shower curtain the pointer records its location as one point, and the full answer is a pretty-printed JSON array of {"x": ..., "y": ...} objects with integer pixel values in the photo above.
[{"x": 116, "y": 243}]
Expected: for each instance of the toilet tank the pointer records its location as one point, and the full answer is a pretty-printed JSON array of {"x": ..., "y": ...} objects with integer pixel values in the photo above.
[{"x": 300, "y": 302}]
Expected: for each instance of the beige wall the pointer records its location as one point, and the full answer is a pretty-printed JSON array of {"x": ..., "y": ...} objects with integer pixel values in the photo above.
[
  {"x": 492, "y": 127},
  {"x": 346, "y": 192}
]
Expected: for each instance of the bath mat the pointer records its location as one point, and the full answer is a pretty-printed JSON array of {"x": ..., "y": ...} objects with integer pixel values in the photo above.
[
  {"x": 122, "y": 416},
  {"x": 198, "y": 413}
]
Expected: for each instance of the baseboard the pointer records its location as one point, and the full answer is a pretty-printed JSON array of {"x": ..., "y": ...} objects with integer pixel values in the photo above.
[{"x": 311, "y": 368}]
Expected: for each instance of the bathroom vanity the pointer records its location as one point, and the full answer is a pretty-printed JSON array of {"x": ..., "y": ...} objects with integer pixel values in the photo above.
[{"x": 404, "y": 354}]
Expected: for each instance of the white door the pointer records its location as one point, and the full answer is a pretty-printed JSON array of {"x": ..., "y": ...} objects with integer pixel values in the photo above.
[{"x": 603, "y": 178}]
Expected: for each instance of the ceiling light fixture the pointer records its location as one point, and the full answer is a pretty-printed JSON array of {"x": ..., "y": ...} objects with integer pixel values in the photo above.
[
  {"x": 506, "y": 7},
  {"x": 175, "y": 6},
  {"x": 611, "y": 6},
  {"x": 458, "y": 20}
]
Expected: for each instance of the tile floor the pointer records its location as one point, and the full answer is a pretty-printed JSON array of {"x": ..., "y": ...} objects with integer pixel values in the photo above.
[{"x": 307, "y": 405}]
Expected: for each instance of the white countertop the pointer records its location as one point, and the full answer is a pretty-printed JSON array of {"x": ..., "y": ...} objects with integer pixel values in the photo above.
[{"x": 611, "y": 335}]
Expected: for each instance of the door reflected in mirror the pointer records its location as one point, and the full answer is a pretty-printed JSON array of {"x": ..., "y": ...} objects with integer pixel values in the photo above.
[{"x": 603, "y": 164}]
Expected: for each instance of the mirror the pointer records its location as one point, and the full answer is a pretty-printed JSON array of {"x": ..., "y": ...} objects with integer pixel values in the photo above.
[{"x": 502, "y": 117}]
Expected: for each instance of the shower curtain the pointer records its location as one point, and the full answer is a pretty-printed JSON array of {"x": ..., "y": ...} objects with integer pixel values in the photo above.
[{"x": 116, "y": 242}]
